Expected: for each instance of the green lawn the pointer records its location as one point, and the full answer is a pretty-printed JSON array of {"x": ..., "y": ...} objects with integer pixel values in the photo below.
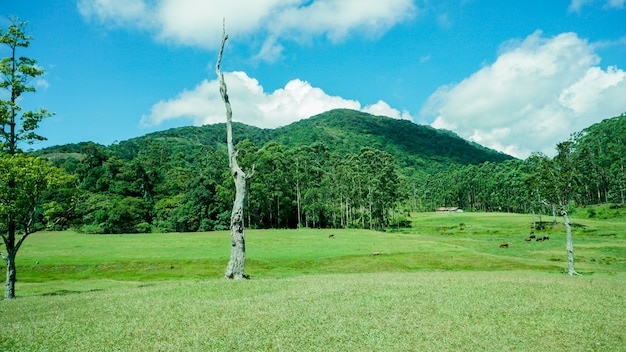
[{"x": 444, "y": 284}]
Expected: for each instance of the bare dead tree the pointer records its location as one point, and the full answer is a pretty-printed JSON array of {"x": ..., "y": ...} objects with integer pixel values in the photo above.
[{"x": 235, "y": 268}]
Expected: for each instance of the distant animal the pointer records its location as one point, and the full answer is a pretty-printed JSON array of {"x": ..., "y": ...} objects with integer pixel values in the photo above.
[
  {"x": 504, "y": 245},
  {"x": 532, "y": 234},
  {"x": 528, "y": 239},
  {"x": 332, "y": 235},
  {"x": 545, "y": 238},
  {"x": 539, "y": 239}
]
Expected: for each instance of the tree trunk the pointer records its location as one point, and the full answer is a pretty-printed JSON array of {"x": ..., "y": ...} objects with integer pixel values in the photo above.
[
  {"x": 299, "y": 203},
  {"x": 9, "y": 287},
  {"x": 570, "y": 243},
  {"x": 9, "y": 259},
  {"x": 235, "y": 268}
]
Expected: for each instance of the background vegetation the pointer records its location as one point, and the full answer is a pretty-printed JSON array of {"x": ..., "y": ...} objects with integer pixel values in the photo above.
[{"x": 340, "y": 169}]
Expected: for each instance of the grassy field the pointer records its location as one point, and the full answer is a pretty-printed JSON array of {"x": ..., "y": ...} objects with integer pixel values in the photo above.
[{"x": 444, "y": 284}]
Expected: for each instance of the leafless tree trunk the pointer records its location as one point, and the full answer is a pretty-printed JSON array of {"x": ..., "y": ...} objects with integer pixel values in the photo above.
[
  {"x": 235, "y": 268},
  {"x": 570, "y": 243}
]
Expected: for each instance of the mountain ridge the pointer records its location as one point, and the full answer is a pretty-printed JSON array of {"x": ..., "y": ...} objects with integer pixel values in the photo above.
[{"x": 343, "y": 131}]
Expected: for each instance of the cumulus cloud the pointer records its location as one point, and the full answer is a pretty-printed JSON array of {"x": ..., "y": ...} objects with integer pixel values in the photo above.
[
  {"x": 115, "y": 12},
  {"x": 199, "y": 22},
  {"x": 577, "y": 5},
  {"x": 253, "y": 106},
  {"x": 536, "y": 93},
  {"x": 383, "y": 109}
]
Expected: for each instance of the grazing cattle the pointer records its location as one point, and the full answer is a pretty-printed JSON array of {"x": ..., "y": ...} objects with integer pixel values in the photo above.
[
  {"x": 545, "y": 238},
  {"x": 504, "y": 245},
  {"x": 528, "y": 239},
  {"x": 532, "y": 234},
  {"x": 332, "y": 235},
  {"x": 539, "y": 239}
]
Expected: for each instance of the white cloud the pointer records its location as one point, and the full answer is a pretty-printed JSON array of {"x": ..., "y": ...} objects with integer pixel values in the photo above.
[
  {"x": 337, "y": 19},
  {"x": 383, "y": 109},
  {"x": 42, "y": 83},
  {"x": 616, "y": 4},
  {"x": 199, "y": 22},
  {"x": 536, "y": 93},
  {"x": 253, "y": 106},
  {"x": 115, "y": 12},
  {"x": 577, "y": 5}
]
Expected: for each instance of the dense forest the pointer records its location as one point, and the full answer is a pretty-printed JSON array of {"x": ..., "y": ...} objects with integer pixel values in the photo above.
[{"x": 342, "y": 168}]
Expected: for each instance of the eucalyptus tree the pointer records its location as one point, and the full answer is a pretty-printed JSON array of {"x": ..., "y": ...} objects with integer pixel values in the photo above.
[
  {"x": 380, "y": 184},
  {"x": 561, "y": 184},
  {"x": 235, "y": 267},
  {"x": 271, "y": 189},
  {"x": 308, "y": 174},
  {"x": 603, "y": 147}
]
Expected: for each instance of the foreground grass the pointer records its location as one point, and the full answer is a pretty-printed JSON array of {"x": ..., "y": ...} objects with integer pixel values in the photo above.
[
  {"x": 443, "y": 285},
  {"x": 430, "y": 311}
]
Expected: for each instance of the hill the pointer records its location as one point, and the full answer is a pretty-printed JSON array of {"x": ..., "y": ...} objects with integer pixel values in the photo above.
[
  {"x": 347, "y": 131},
  {"x": 343, "y": 131}
]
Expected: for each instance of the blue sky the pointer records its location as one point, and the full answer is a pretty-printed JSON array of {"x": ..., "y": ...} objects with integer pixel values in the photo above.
[{"x": 516, "y": 76}]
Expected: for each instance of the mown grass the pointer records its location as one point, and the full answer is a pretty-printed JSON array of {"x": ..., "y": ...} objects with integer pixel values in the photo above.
[
  {"x": 430, "y": 311},
  {"x": 443, "y": 285}
]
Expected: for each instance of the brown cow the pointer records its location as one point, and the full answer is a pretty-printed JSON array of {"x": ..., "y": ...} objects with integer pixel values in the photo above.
[
  {"x": 528, "y": 239},
  {"x": 504, "y": 245}
]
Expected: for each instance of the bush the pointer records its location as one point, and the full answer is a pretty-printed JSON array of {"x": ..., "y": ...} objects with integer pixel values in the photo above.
[
  {"x": 591, "y": 213},
  {"x": 91, "y": 229},
  {"x": 143, "y": 227}
]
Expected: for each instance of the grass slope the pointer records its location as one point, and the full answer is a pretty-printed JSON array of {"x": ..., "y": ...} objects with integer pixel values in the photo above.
[
  {"x": 442, "y": 285},
  {"x": 430, "y": 311}
]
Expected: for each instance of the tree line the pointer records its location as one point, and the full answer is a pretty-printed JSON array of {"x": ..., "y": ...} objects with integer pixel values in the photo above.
[
  {"x": 596, "y": 157},
  {"x": 161, "y": 190}
]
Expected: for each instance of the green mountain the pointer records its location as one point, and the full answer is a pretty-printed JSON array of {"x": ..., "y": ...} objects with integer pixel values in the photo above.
[
  {"x": 347, "y": 131},
  {"x": 343, "y": 131}
]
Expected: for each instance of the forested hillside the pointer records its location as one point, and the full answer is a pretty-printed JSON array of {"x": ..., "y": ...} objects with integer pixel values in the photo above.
[
  {"x": 596, "y": 158},
  {"x": 418, "y": 146},
  {"x": 338, "y": 169},
  {"x": 342, "y": 131}
]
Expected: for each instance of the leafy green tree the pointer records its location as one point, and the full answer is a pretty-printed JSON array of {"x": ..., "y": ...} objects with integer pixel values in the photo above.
[
  {"x": 127, "y": 215},
  {"x": 25, "y": 184},
  {"x": 561, "y": 182},
  {"x": 271, "y": 187}
]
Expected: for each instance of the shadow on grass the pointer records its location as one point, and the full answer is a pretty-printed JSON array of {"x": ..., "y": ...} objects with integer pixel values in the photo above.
[{"x": 69, "y": 292}]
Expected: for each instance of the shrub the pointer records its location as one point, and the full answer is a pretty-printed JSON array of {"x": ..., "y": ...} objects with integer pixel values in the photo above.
[{"x": 91, "y": 229}]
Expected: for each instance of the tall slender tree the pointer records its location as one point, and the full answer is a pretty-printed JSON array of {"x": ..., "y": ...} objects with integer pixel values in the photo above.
[
  {"x": 24, "y": 180},
  {"x": 561, "y": 185},
  {"x": 16, "y": 75},
  {"x": 235, "y": 268}
]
